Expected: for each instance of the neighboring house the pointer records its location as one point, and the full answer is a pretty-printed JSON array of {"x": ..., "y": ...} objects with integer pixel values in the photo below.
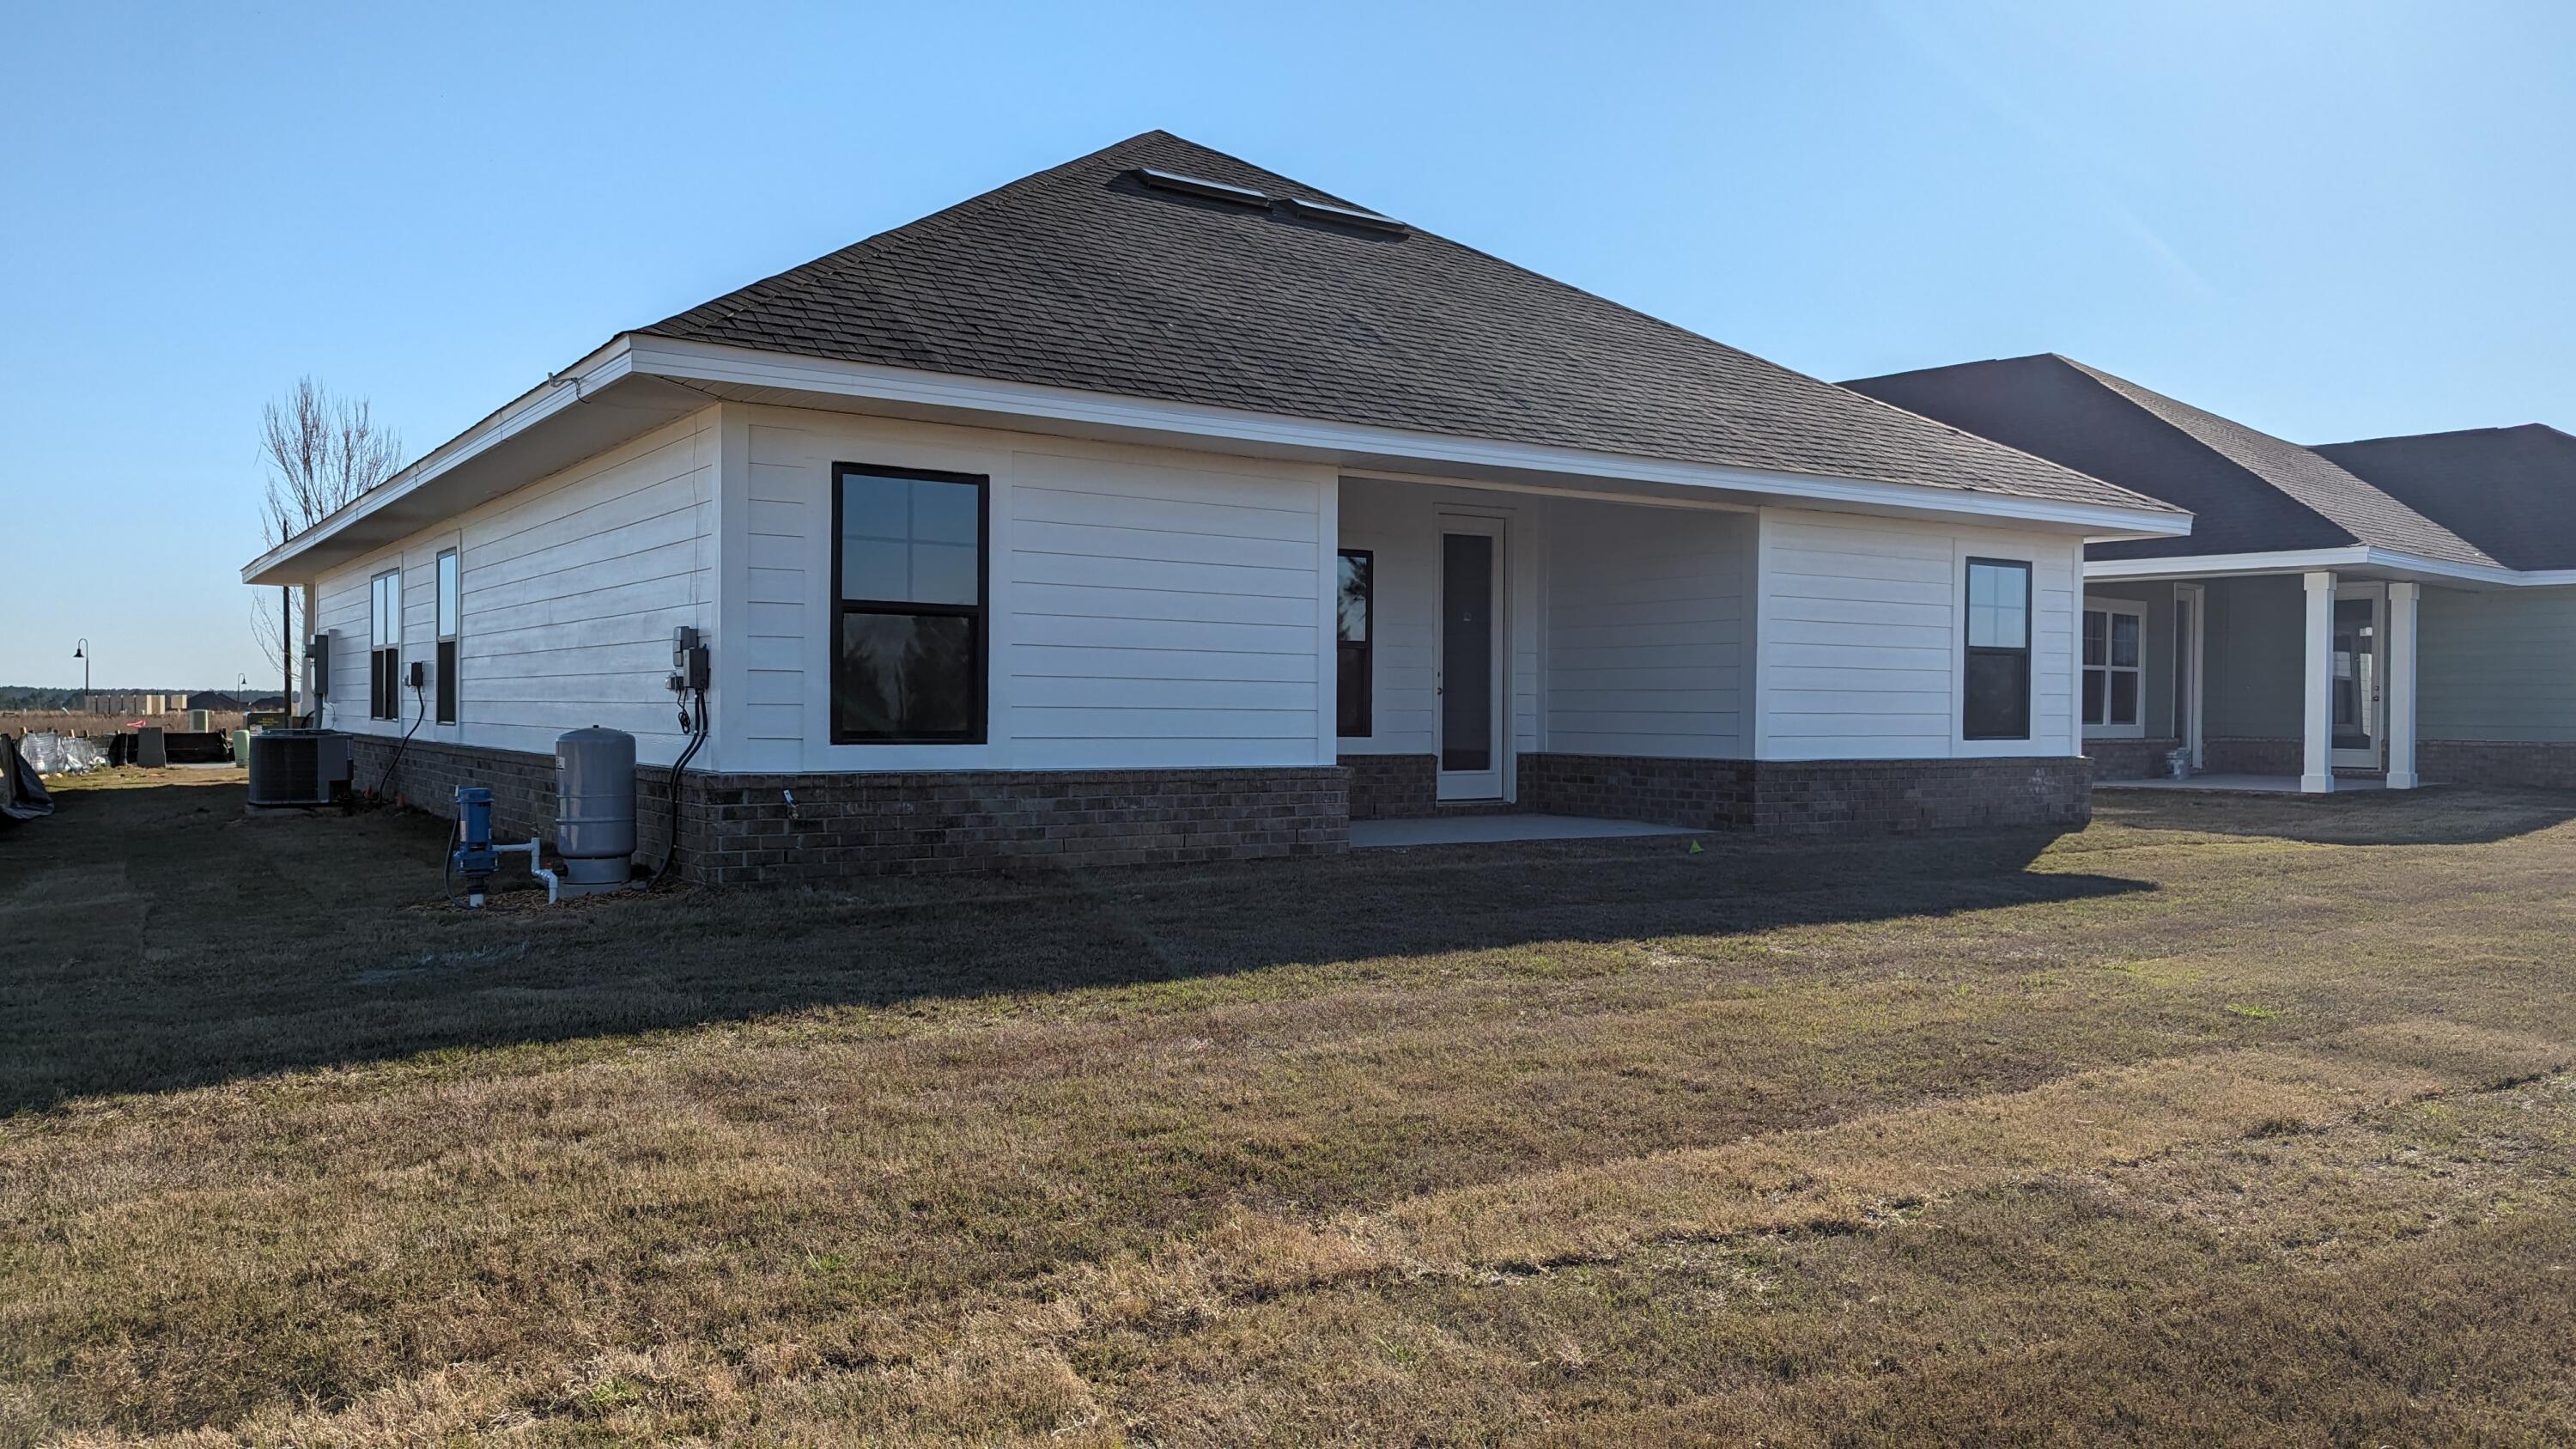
[
  {"x": 2396, "y": 611},
  {"x": 1157, "y": 506}
]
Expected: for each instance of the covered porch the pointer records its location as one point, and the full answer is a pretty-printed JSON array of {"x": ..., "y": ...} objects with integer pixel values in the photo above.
[{"x": 2303, "y": 680}]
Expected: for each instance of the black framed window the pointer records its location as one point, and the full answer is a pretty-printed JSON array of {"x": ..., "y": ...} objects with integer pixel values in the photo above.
[
  {"x": 384, "y": 646},
  {"x": 1356, "y": 674},
  {"x": 908, "y": 560},
  {"x": 1995, "y": 699},
  {"x": 450, "y": 596}
]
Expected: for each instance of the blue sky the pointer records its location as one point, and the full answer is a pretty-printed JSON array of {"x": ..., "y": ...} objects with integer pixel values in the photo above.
[{"x": 2328, "y": 220}]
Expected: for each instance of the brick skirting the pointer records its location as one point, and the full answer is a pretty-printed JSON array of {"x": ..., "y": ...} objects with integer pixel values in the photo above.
[
  {"x": 1829, "y": 797},
  {"x": 1393, "y": 787},
  {"x": 877, "y": 824},
  {"x": 739, "y": 829},
  {"x": 2239, "y": 755},
  {"x": 1693, "y": 794},
  {"x": 2129, "y": 759},
  {"x": 2530, "y": 765}
]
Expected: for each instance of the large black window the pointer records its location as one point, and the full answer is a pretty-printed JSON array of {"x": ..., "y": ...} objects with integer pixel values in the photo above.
[
  {"x": 449, "y": 597},
  {"x": 1996, "y": 699},
  {"x": 908, "y": 555},
  {"x": 1351, "y": 691},
  {"x": 384, "y": 646}
]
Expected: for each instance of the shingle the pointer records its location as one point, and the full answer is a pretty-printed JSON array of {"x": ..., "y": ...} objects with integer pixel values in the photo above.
[
  {"x": 2249, "y": 492},
  {"x": 1080, "y": 277},
  {"x": 2510, "y": 491}
]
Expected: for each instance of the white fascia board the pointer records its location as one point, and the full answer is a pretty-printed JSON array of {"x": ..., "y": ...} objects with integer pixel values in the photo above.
[
  {"x": 2355, "y": 559},
  {"x": 1349, "y": 444},
  {"x": 565, "y": 389}
]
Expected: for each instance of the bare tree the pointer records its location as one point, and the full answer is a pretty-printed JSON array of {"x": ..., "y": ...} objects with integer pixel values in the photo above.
[{"x": 321, "y": 452}]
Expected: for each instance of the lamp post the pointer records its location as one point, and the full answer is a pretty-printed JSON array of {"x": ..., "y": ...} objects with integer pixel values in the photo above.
[{"x": 80, "y": 652}]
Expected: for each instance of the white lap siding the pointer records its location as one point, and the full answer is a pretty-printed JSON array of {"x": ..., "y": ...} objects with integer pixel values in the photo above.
[
  {"x": 1861, "y": 636},
  {"x": 569, "y": 589},
  {"x": 1647, "y": 619},
  {"x": 1148, "y": 608}
]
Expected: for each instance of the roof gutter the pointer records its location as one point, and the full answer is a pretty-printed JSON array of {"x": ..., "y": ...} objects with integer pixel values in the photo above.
[
  {"x": 2328, "y": 560},
  {"x": 987, "y": 402},
  {"x": 565, "y": 389},
  {"x": 1350, "y": 444}
]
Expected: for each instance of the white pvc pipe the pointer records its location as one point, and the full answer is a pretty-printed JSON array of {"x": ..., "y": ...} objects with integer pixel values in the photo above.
[{"x": 534, "y": 869}]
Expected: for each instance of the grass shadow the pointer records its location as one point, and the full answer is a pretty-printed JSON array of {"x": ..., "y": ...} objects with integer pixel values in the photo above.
[
  {"x": 2439, "y": 815},
  {"x": 154, "y": 938}
]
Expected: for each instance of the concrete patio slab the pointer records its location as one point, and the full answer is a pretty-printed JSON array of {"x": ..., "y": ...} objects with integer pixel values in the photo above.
[
  {"x": 2241, "y": 784},
  {"x": 1498, "y": 829}
]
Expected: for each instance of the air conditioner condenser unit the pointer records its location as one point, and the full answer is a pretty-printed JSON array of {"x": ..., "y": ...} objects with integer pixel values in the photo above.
[{"x": 298, "y": 767}]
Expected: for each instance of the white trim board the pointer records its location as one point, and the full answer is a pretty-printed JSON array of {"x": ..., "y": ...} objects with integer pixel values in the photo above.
[
  {"x": 2378, "y": 563},
  {"x": 680, "y": 368}
]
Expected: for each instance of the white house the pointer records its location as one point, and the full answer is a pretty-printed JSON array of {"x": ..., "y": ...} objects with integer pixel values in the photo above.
[{"x": 1156, "y": 506}]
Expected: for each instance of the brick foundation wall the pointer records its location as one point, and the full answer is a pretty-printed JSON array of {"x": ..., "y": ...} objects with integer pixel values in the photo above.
[
  {"x": 1900, "y": 797},
  {"x": 1832, "y": 797},
  {"x": 2246, "y": 756},
  {"x": 2129, "y": 759},
  {"x": 1693, "y": 794},
  {"x": 2531, "y": 766},
  {"x": 874, "y": 824},
  {"x": 1393, "y": 787},
  {"x": 738, "y": 829}
]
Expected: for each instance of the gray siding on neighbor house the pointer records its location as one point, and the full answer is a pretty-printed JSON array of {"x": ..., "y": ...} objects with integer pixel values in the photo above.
[
  {"x": 2256, "y": 658},
  {"x": 2496, "y": 665},
  {"x": 2156, "y": 656}
]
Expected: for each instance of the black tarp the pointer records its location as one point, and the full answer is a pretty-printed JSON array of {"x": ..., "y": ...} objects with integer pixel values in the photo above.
[{"x": 22, "y": 794}]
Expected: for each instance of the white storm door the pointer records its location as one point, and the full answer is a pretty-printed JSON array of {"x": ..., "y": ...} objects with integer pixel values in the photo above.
[{"x": 1470, "y": 695}]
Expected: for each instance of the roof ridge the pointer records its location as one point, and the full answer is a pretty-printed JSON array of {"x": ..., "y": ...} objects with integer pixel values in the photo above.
[
  {"x": 1068, "y": 277},
  {"x": 2148, "y": 499},
  {"x": 2532, "y": 427},
  {"x": 2131, "y": 391}
]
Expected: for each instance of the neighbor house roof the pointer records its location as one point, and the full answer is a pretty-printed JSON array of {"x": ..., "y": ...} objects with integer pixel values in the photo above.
[
  {"x": 2510, "y": 491},
  {"x": 2249, "y": 492},
  {"x": 1086, "y": 276}
]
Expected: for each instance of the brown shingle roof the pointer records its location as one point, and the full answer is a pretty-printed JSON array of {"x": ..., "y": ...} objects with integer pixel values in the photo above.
[
  {"x": 2510, "y": 491},
  {"x": 1081, "y": 277},
  {"x": 2249, "y": 492}
]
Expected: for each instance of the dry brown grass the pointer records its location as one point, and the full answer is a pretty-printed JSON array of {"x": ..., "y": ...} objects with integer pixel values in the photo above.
[{"x": 2223, "y": 1120}]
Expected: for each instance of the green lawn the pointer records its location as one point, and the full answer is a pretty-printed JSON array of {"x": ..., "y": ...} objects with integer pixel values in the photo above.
[{"x": 2240, "y": 1120}]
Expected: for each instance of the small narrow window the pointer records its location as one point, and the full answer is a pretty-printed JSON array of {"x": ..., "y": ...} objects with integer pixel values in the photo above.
[
  {"x": 1995, "y": 700},
  {"x": 384, "y": 646},
  {"x": 908, "y": 565},
  {"x": 2113, "y": 665},
  {"x": 1354, "y": 676},
  {"x": 448, "y": 599}
]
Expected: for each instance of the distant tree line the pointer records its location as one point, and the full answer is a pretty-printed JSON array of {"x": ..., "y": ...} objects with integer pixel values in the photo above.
[{"x": 33, "y": 696}]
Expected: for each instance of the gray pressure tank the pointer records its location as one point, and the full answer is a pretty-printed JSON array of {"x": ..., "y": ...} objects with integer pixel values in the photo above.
[{"x": 595, "y": 805}]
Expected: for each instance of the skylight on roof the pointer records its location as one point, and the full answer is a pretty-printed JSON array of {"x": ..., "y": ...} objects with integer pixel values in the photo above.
[
  {"x": 1201, "y": 186},
  {"x": 1347, "y": 215}
]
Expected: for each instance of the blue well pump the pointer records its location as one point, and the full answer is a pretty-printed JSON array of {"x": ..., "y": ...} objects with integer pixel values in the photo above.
[{"x": 475, "y": 857}]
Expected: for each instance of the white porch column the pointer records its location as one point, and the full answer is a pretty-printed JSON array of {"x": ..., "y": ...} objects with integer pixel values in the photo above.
[
  {"x": 2402, "y": 599},
  {"x": 2316, "y": 773}
]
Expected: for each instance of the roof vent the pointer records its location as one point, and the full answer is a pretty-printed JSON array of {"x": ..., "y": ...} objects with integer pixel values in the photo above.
[
  {"x": 1346, "y": 215},
  {"x": 1200, "y": 186}
]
